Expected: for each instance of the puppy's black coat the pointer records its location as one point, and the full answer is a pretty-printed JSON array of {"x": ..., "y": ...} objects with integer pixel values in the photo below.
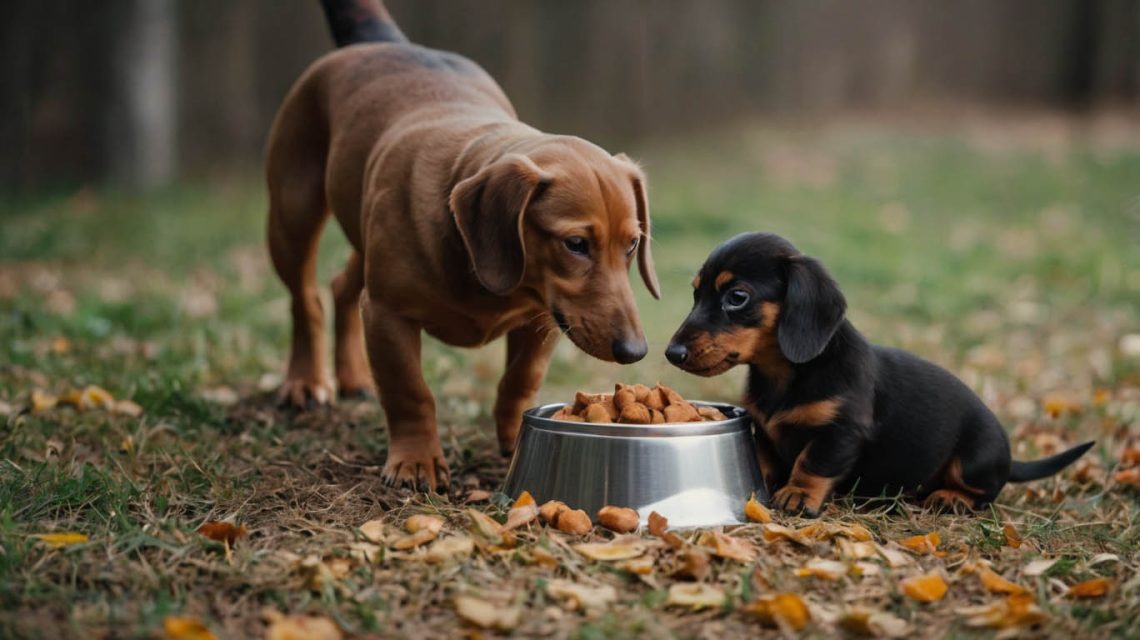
[{"x": 835, "y": 414}]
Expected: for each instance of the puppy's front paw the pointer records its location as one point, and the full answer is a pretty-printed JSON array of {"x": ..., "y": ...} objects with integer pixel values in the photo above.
[
  {"x": 304, "y": 393},
  {"x": 421, "y": 469},
  {"x": 796, "y": 500}
]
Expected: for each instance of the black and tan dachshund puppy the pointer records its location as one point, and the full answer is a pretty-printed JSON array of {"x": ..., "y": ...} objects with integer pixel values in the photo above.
[{"x": 835, "y": 414}]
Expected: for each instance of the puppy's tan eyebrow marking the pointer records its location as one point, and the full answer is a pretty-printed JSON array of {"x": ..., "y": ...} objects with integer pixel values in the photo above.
[
  {"x": 697, "y": 281},
  {"x": 722, "y": 279}
]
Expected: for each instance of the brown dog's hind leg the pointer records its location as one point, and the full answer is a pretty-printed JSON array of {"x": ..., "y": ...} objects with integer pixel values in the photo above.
[
  {"x": 353, "y": 379},
  {"x": 529, "y": 348},
  {"x": 415, "y": 457},
  {"x": 296, "y": 215}
]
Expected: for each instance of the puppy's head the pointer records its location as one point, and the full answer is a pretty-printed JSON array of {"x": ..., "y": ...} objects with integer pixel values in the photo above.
[
  {"x": 562, "y": 222},
  {"x": 757, "y": 300}
]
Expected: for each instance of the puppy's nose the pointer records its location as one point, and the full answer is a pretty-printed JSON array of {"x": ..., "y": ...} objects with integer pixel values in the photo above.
[
  {"x": 677, "y": 353},
  {"x": 629, "y": 351}
]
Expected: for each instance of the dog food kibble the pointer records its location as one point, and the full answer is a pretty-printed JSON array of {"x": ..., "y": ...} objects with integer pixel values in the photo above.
[
  {"x": 619, "y": 519},
  {"x": 574, "y": 521},
  {"x": 549, "y": 512},
  {"x": 635, "y": 404}
]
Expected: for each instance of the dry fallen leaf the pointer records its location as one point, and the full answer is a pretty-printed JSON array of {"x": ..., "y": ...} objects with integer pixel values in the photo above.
[
  {"x": 479, "y": 495},
  {"x": 824, "y": 531},
  {"x": 453, "y": 548},
  {"x": 373, "y": 531},
  {"x": 925, "y": 588},
  {"x": 997, "y": 584},
  {"x": 524, "y": 500},
  {"x": 1094, "y": 588},
  {"x": 773, "y": 532},
  {"x": 484, "y": 614},
  {"x": 1056, "y": 404},
  {"x": 1038, "y": 567},
  {"x": 127, "y": 408},
  {"x": 617, "y": 549},
  {"x": 421, "y": 522},
  {"x": 642, "y": 566},
  {"x": 894, "y": 557},
  {"x": 484, "y": 525},
  {"x": 695, "y": 595},
  {"x": 855, "y": 550},
  {"x": 822, "y": 568},
  {"x": 519, "y": 517},
  {"x": 780, "y": 610},
  {"x": 922, "y": 545},
  {"x": 864, "y": 622},
  {"x": 658, "y": 525},
  {"x": 300, "y": 627},
  {"x": 185, "y": 628},
  {"x": 693, "y": 563},
  {"x": 730, "y": 547},
  {"x": 226, "y": 532},
  {"x": 1019, "y": 610},
  {"x": 420, "y": 537},
  {"x": 580, "y": 596},
  {"x": 60, "y": 540},
  {"x": 89, "y": 397},
  {"x": 756, "y": 512},
  {"x": 1128, "y": 476},
  {"x": 1012, "y": 536},
  {"x": 42, "y": 401}
]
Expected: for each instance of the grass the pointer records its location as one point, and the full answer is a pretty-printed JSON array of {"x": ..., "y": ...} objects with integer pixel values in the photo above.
[{"x": 1014, "y": 265}]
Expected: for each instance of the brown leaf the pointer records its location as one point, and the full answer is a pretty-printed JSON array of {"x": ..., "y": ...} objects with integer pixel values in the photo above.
[
  {"x": 452, "y": 548},
  {"x": 642, "y": 566},
  {"x": 580, "y": 596},
  {"x": 373, "y": 531},
  {"x": 520, "y": 516},
  {"x": 1012, "y": 536},
  {"x": 773, "y": 532},
  {"x": 729, "y": 547},
  {"x": 301, "y": 627},
  {"x": 617, "y": 549},
  {"x": 1039, "y": 566},
  {"x": 422, "y": 522},
  {"x": 420, "y": 537},
  {"x": 485, "y": 525},
  {"x": 994, "y": 583},
  {"x": 484, "y": 614},
  {"x": 479, "y": 495},
  {"x": 925, "y": 588},
  {"x": 185, "y": 628},
  {"x": 694, "y": 564},
  {"x": 822, "y": 568},
  {"x": 756, "y": 512},
  {"x": 657, "y": 527},
  {"x": 1128, "y": 476},
  {"x": 864, "y": 622},
  {"x": 1018, "y": 610},
  {"x": 923, "y": 544},
  {"x": 785, "y": 610},
  {"x": 225, "y": 532},
  {"x": 1094, "y": 588},
  {"x": 695, "y": 595}
]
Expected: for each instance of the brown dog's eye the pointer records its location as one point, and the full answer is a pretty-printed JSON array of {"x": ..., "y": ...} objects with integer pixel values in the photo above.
[
  {"x": 735, "y": 299},
  {"x": 577, "y": 245},
  {"x": 632, "y": 247}
]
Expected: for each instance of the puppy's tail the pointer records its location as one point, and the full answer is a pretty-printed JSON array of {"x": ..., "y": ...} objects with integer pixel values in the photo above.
[
  {"x": 356, "y": 21},
  {"x": 1037, "y": 469}
]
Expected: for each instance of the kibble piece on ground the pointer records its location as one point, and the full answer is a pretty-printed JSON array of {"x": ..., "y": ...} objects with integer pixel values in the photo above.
[
  {"x": 574, "y": 521},
  {"x": 619, "y": 519},
  {"x": 549, "y": 512}
]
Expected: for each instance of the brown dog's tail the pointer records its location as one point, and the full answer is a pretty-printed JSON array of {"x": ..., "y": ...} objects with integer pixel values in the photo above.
[
  {"x": 1037, "y": 469},
  {"x": 357, "y": 21}
]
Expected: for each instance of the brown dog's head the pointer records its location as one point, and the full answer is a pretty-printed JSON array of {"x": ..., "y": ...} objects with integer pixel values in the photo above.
[
  {"x": 562, "y": 222},
  {"x": 759, "y": 301}
]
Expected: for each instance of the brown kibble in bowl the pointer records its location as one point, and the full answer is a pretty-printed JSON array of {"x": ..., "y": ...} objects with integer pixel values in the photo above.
[
  {"x": 550, "y": 511},
  {"x": 619, "y": 519},
  {"x": 640, "y": 392},
  {"x": 711, "y": 413},
  {"x": 671, "y": 397},
  {"x": 657, "y": 417},
  {"x": 654, "y": 400},
  {"x": 635, "y": 413},
  {"x": 597, "y": 413},
  {"x": 574, "y": 521},
  {"x": 681, "y": 412},
  {"x": 624, "y": 397}
]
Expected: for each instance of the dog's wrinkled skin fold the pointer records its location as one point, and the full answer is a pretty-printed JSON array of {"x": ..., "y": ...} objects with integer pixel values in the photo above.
[
  {"x": 833, "y": 413},
  {"x": 464, "y": 223}
]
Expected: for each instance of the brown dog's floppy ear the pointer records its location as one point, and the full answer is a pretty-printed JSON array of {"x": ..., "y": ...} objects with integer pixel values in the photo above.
[
  {"x": 644, "y": 252},
  {"x": 812, "y": 311},
  {"x": 488, "y": 209}
]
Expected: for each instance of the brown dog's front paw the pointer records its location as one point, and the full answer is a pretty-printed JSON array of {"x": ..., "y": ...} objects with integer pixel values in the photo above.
[
  {"x": 949, "y": 500},
  {"x": 303, "y": 393},
  {"x": 796, "y": 500},
  {"x": 422, "y": 470}
]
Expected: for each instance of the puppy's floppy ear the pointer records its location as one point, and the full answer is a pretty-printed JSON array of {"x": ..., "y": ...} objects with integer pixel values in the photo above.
[
  {"x": 812, "y": 311},
  {"x": 644, "y": 252},
  {"x": 488, "y": 209}
]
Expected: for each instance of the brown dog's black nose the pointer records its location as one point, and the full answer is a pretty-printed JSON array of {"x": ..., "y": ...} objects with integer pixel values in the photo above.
[
  {"x": 677, "y": 353},
  {"x": 629, "y": 351}
]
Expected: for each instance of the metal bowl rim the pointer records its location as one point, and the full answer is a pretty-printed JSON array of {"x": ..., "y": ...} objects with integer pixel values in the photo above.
[{"x": 740, "y": 421}]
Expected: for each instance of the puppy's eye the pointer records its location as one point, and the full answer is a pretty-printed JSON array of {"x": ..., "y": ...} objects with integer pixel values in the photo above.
[
  {"x": 577, "y": 245},
  {"x": 632, "y": 247},
  {"x": 736, "y": 299}
]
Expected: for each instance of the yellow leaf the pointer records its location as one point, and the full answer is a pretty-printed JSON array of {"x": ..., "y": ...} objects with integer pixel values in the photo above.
[
  {"x": 617, "y": 549},
  {"x": 580, "y": 596},
  {"x": 484, "y": 525},
  {"x": 42, "y": 401},
  {"x": 922, "y": 545},
  {"x": 222, "y": 531},
  {"x": 1012, "y": 536},
  {"x": 773, "y": 532},
  {"x": 420, "y": 537},
  {"x": 520, "y": 516},
  {"x": 1017, "y": 610},
  {"x": 822, "y": 568},
  {"x": 184, "y": 628},
  {"x": 756, "y": 512},
  {"x": 780, "y": 610},
  {"x": 421, "y": 522},
  {"x": 484, "y": 614},
  {"x": 997, "y": 584},
  {"x": 90, "y": 397},
  {"x": 524, "y": 500},
  {"x": 642, "y": 566},
  {"x": 60, "y": 344},
  {"x": 127, "y": 408},
  {"x": 925, "y": 588},
  {"x": 373, "y": 531},
  {"x": 453, "y": 548},
  {"x": 1056, "y": 404},
  {"x": 695, "y": 595},
  {"x": 729, "y": 547},
  {"x": 60, "y": 540},
  {"x": 864, "y": 622},
  {"x": 1094, "y": 588},
  {"x": 297, "y": 627}
]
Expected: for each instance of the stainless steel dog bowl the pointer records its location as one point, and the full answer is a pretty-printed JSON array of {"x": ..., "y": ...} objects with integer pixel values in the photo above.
[{"x": 696, "y": 474}]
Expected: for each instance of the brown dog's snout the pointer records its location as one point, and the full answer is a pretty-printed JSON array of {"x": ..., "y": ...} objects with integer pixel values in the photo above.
[{"x": 628, "y": 351}]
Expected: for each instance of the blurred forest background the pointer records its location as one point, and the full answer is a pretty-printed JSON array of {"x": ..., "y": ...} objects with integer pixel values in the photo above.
[{"x": 140, "y": 93}]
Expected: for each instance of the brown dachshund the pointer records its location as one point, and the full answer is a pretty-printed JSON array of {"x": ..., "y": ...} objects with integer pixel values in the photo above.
[{"x": 464, "y": 223}]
